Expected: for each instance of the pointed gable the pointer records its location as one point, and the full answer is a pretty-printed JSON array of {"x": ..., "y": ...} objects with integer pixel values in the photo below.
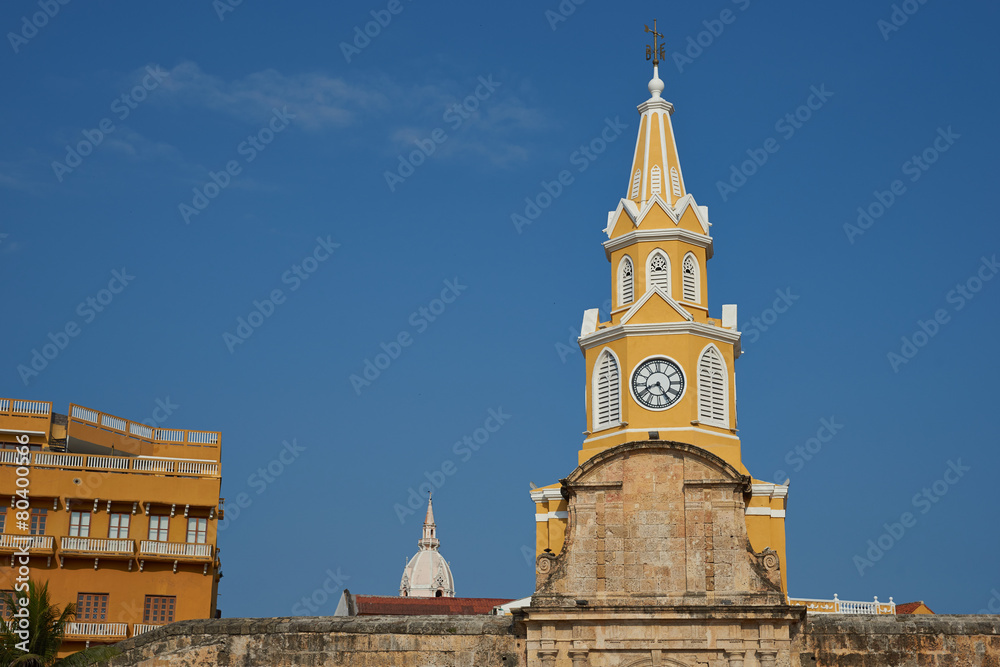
[{"x": 656, "y": 307}]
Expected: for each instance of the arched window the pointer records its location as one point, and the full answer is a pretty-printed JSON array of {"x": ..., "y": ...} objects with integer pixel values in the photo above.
[
  {"x": 658, "y": 271},
  {"x": 713, "y": 403},
  {"x": 635, "y": 183},
  {"x": 690, "y": 278},
  {"x": 625, "y": 281},
  {"x": 654, "y": 178},
  {"x": 607, "y": 391},
  {"x": 675, "y": 181}
]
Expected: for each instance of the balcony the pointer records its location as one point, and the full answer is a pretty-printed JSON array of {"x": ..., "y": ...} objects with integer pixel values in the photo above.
[
  {"x": 139, "y": 628},
  {"x": 96, "y": 632},
  {"x": 41, "y": 545},
  {"x": 100, "y": 463},
  {"x": 176, "y": 551},
  {"x": 93, "y": 547},
  {"x": 92, "y": 427},
  {"x": 31, "y": 418}
]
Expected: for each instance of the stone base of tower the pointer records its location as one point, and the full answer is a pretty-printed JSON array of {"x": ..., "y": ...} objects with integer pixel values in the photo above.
[
  {"x": 656, "y": 568},
  {"x": 653, "y": 636}
]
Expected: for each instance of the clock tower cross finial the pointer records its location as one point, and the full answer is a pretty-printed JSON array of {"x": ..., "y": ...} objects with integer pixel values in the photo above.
[{"x": 654, "y": 52}]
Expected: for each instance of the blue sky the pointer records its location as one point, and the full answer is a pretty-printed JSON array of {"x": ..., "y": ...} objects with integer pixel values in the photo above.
[{"x": 201, "y": 90}]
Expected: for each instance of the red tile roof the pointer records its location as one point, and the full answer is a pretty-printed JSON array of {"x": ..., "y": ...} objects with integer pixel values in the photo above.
[
  {"x": 372, "y": 605},
  {"x": 910, "y": 607}
]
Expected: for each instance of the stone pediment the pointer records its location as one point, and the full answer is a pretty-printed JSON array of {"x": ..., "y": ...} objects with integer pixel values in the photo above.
[{"x": 657, "y": 523}]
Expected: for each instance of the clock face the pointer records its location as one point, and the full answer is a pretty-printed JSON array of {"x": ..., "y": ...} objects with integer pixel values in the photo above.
[{"x": 657, "y": 383}]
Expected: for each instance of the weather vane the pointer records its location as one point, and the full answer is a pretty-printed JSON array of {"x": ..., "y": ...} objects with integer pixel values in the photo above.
[{"x": 655, "y": 52}]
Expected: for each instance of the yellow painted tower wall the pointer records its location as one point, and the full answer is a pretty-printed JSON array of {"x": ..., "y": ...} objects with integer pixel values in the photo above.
[{"x": 669, "y": 321}]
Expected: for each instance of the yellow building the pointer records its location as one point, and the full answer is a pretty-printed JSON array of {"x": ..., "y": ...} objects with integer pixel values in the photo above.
[
  {"x": 119, "y": 517},
  {"x": 661, "y": 368}
]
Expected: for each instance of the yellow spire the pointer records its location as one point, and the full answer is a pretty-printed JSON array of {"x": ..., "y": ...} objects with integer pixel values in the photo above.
[{"x": 656, "y": 169}]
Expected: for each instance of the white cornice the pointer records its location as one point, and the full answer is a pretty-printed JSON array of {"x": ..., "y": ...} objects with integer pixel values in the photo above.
[
  {"x": 657, "y": 235},
  {"x": 662, "y": 430},
  {"x": 769, "y": 490},
  {"x": 604, "y": 336},
  {"x": 656, "y": 103},
  {"x": 541, "y": 495}
]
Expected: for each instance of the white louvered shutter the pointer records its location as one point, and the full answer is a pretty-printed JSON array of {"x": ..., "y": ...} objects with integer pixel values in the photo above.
[
  {"x": 625, "y": 281},
  {"x": 636, "y": 179},
  {"x": 712, "y": 389},
  {"x": 608, "y": 399},
  {"x": 675, "y": 181},
  {"x": 659, "y": 271},
  {"x": 690, "y": 271},
  {"x": 655, "y": 180}
]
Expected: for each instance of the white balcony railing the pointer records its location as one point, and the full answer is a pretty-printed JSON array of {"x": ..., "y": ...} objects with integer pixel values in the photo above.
[
  {"x": 116, "y": 463},
  {"x": 139, "y": 628},
  {"x": 9, "y": 541},
  {"x": 27, "y": 407},
  {"x": 97, "y": 545},
  {"x": 181, "y": 549},
  {"x": 108, "y": 462},
  {"x": 838, "y": 606},
  {"x": 109, "y": 630}
]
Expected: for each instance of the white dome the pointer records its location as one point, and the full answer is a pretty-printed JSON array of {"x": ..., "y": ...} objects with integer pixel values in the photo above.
[{"x": 427, "y": 575}]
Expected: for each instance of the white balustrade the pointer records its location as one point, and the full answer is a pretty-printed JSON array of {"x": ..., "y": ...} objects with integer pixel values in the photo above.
[
  {"x": 96, "y": 545},
  {"x": 169, "y": 435},
  {"x": 203, "y": 437},
  {"x": 176, "y": 549},
  {"x": 140, "y": 430},
  {"x": 32, "y": 407},
  {"x": 139, "y": 628},
  {"x": 153, "y": 465},
  {"x": 85, "y": 414},
  {"x": 197, "y": 468},
  {"x": 62, "y": 460},
  {"x": 10, "y": 541},
  {"x": 97, "y": 629},
  {"x": 838, "y": 606},
  {"x": 108, "y": 462},
  {"x": 114, "y": 422}
]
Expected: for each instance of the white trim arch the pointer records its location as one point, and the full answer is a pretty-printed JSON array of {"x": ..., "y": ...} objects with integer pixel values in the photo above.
[
  {"x": 713, "y": 388},
  {"x": 660, "y": 277},
  {"x": 626, "y": 281},
  {"x": 606, "y": 393},
  {"x": 690, "y": 279}
]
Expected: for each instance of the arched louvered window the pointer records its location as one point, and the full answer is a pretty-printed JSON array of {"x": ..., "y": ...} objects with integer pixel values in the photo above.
[
  {"x": 675, "y": 181},
  {"x": 636, "y": 179},
  {"x": 713, "y": 403},
  {"x": 690, "y": 278},
  {"x": 625, "y": 281},
  {"x": 658, "y": 271},
  {"x": 607, "y": 391},
  {"x": 655, "y": 178}
]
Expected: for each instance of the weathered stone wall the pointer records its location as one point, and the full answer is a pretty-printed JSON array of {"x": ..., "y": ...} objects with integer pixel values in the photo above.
[
  {"x": 366, "y": 641},
  {"x": 486, "y": 641},
  {"x": 835, "y": 640}
]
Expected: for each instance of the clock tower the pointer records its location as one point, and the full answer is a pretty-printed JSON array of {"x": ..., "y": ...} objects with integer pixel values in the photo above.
[{"x": 661, "y": 367}]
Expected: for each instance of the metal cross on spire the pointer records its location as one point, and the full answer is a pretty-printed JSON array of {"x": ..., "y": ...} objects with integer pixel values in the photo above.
[{"x": 655, "y": 52}]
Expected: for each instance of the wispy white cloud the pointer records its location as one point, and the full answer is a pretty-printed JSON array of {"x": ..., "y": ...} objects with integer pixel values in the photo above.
[
  {"x": 317, "y": 100},
  {"x": 499, "y": 129}
]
